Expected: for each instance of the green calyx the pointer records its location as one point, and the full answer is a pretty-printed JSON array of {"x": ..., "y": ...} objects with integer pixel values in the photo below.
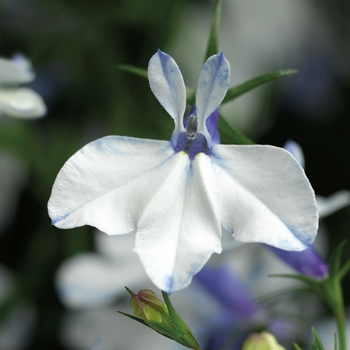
[{"x": 161, "y": 317}]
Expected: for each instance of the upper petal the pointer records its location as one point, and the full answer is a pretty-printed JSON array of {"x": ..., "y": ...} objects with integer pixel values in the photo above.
[
  {"x": 212, "y": 86},
  {"x": 261, "y": 194},
  {"x": 108, "y": 182},
  {"x": 168, "y": 87},
  {"x": 179, "y": 230}
]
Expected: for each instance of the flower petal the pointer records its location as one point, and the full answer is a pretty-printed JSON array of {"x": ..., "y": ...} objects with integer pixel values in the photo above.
[
  {"x": 21, "y": 103},
  {"x": 179, "y": 230},
  {"x": 168, "y": 87},
  {"x": 108, "y": 183},
  {"x": 212, "y": 86},
  {"x": 307, "y": 262},
  {"x": 261, "y": 194},
  {"x": 90, "y": 280}
]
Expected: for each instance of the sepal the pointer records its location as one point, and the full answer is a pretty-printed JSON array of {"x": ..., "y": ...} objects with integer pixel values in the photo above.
[
  {"x": 316, "y": 345},
  {"x": 230, "y": 135},
  {"x": 162, "y": 318},
  {"x": 249, "y": 85}
]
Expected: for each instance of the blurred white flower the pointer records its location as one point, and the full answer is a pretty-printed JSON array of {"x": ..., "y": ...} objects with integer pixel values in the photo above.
[
  {"x": 14, "y": 101},
  {"x": 16, "y": 328},
  {"x": 91, "y": 280}
]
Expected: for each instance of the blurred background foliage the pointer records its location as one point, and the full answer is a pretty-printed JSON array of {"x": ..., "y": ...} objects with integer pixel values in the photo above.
[{"x": 75, "y": 48}]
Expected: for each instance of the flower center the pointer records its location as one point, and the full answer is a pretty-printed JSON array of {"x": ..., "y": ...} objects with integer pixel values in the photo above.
[
  {"x": 191, "y": 127},
  {"x": 192, "y": 146}
]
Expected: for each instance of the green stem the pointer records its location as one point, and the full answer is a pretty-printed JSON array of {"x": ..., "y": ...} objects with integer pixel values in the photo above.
[{"x": 340, "y": 317}]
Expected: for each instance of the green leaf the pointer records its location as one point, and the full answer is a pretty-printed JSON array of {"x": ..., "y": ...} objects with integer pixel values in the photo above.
[
  {"x": 141, "y": 72},
  {"x": 134, "y": 318},
  {"x": 241, "y": 89},
  {"x": 308, "y": 280},
  {"x": 231, "y": 135},
  {"x": 213, "y": 42},
  {"x": 334, "y": 260},
  {"x": 317, "y": 345},
  {"x": 296, "y": 346},
  {"x": 130, "y": 291},
  {"x": 344, "y": 270}
]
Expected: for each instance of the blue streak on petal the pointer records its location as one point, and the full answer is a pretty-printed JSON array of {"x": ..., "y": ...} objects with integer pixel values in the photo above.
[
  {"x": 212, "y": 127},
  {"x": 54, "y": 221},
  {"x": 169, "y": 73}
]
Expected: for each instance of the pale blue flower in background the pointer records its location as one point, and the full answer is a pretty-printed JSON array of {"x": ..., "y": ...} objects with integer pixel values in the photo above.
[
  {"x": 308, "y": 262},
  {"x": 14, "y": 101},
  {"x": 179, "y": 194},
  {"x": 326, "y": 205}
]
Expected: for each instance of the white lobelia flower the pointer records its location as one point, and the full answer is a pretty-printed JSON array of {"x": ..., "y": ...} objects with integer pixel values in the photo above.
[
  {"x": 178, "y": 195},
  {"x": 14, "y": 101}
]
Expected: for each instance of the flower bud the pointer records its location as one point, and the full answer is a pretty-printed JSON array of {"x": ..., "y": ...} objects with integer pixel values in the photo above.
[
  {"x": 162, "y": 318},
  {"x": 147, "y": 306},
  {"x": 261, "y": 341}
]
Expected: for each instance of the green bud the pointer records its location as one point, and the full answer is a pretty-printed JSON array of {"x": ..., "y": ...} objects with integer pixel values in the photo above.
[
  {"x": 261, "y": 341},
  {"x": 147, "y": 306},
  {"x": 161, "y": 317}
]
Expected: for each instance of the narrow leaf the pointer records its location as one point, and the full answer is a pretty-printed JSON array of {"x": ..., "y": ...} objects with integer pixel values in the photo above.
[
  {"x": 296, "y": 346},
  {"x": 344, "y": 270},
  {"x": 231, "y": 135},
  {"x": 334, "y": 260},
  {"x": 241, "y": 89},
  {"x": 310, "y": 281},
  {"x": 317, "y": 340},
  {"x": 134, "y": 318},
  {"x": 134, "y": 70},
  {"x": 130, "y": 291},
  {"x": 213, "y": 43}
]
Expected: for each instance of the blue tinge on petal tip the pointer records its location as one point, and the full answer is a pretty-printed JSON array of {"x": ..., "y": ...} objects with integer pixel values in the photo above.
[{"x": 59, "y": 218}]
